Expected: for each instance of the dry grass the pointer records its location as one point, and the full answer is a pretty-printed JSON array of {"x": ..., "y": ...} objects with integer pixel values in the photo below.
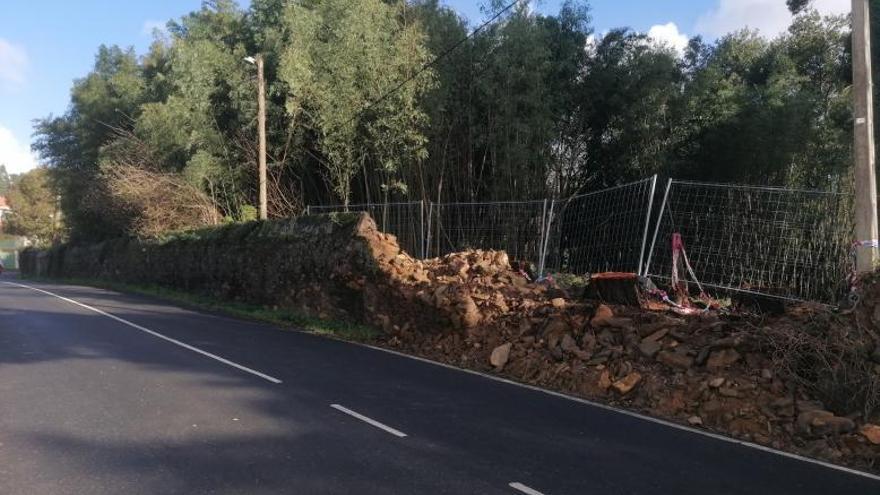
[
  {"x": 142, "y": 199},
  {"x": 828, "y": 355},
  {"x": 159, "y": 202}
]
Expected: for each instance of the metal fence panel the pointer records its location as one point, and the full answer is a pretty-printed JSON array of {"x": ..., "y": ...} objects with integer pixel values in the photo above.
[
  {"x": 601, "y": 231},
  {"x": 516, "y": 227},
  {"x": 785, "y": 243},
  {"x": 403, "y": 220}
]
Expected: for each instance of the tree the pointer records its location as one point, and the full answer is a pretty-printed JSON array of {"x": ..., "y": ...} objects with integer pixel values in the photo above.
[
  {"x": 343, "y": 61},
  {"x": 797, "y": 6},
  {"x": 530, "y": 106},
  {"x": 109, "y": 97},
  {"x": 5, "y": 180},
  {"x": 34, "y": 209},
  {"x": 515, "y": 123},
  {"x": 632, "y": 107}
]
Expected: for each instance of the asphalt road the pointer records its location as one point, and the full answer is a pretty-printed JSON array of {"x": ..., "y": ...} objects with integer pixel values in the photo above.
[{"x": 93, "y": 402}]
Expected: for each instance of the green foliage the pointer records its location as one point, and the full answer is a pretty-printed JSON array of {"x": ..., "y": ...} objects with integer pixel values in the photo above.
[
  {"x": 797, "y": 6},
  {"x": 6, "y": 180},
  {"x": 248, "y": 213},
  {"x": 520, "y": 110},
  {"x": 34, "y": 213},
  {"x": 776, "y": 111},
  {"x": 630, "y": 95},
  {"x": 344, "y": 57},
  {"x": 108, "y": 97}
]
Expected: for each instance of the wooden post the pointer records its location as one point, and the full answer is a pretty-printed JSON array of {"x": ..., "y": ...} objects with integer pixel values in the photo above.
[
  {"x": 863, "y": 107},
  {"x": 261, "y": 125}
]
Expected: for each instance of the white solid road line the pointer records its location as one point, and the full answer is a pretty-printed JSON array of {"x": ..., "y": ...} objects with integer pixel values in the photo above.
[
  {"x": 367, "y": 420},
  {"x": 523, "y": 488},
  {"x": 154, "y": 334}
]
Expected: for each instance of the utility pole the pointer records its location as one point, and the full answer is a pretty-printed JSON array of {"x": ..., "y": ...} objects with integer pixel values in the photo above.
[
  {"x": 261, "y": 125},
  {"x": 865, "y": 176},
  {"x": 56, "y": 217}
]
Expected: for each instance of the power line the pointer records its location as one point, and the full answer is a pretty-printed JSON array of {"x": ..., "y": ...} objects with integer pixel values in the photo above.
[{"x": 432, "y": 63}]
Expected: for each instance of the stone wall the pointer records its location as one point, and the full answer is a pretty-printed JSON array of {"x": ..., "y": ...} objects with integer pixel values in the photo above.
[{"x": 312, "y": 264}]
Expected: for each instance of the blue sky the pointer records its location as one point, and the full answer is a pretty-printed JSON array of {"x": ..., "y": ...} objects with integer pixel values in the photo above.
[{"x": 46, "y": 44}]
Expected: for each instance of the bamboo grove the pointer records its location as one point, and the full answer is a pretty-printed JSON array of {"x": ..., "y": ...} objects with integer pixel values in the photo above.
[{"x": 530, "y": 106}]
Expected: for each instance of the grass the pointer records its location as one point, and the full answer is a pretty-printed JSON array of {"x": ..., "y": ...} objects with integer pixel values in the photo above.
[{"x": 285, "y": 318}]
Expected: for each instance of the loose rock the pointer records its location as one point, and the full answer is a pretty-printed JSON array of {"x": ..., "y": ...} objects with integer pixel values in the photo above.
[
  {"x": 729, "y": 392},
  {"x": 570, "y": 346},
  {"x": 602, "y": 316},
  {"x": 605, "y": 380},
  {"x": 871, "y": 432},
  {"x": 656, "y": 336},
  {"x": 722, "y": 359},
  {"x": 675, "y": 359},
  {"x": 627, "y": 383},
  {"x": 834, "y": 425},
  {"x": 500, "y": 355},
  {"x": 805, "y": 419},
  {"x": 650, "y": 348},
  {"x": 470, "y": 314},
  {"x": 716, "y": 382}
]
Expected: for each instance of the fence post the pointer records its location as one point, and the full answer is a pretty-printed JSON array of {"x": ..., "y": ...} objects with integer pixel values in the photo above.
[
  {"x": 541, "y": 237},
  {"x": 308, "y": 210},
  {"x": 430, "y": 228},
  {"x": 647, "y": 223},
  {"x": 422, "y": 227},
  {"x": 545, "y": 237},
  {"x": 657, "y": 228}
]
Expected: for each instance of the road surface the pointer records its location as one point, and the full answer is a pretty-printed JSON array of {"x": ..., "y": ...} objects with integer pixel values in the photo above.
[{"x": 102, "y": 392}]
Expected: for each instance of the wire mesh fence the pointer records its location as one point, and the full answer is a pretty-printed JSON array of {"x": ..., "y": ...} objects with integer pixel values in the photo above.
[
  {"x": 403, "y": 220},
  {"x": 785, "y": 243},
  {"x": 516, "y": 227},
  {"x": 601, "y": 231}
]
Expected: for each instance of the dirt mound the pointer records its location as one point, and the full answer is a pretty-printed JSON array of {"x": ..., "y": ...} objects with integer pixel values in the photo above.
[{"x": 753, "y": 378}]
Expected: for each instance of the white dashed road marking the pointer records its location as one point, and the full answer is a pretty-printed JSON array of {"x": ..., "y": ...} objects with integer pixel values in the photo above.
[
  {"x": 367, "y": 420},
  {"x": 523, "y": 488}
]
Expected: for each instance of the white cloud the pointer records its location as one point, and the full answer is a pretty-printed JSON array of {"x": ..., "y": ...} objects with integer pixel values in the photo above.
[
  {"x": 669, "y": 35},
  {"x": 769, "y": 17},
  {"x": 150, "y": 26},
  {"x": 13, "y": 64},
  {"x": 14, "y": 154}
]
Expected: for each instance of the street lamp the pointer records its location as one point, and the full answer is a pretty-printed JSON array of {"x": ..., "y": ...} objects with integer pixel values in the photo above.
[{"x": 261, "y": 129}]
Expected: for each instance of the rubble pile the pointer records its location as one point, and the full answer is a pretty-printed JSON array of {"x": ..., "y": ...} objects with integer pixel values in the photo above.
[{"x": 718, "y": 372}]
